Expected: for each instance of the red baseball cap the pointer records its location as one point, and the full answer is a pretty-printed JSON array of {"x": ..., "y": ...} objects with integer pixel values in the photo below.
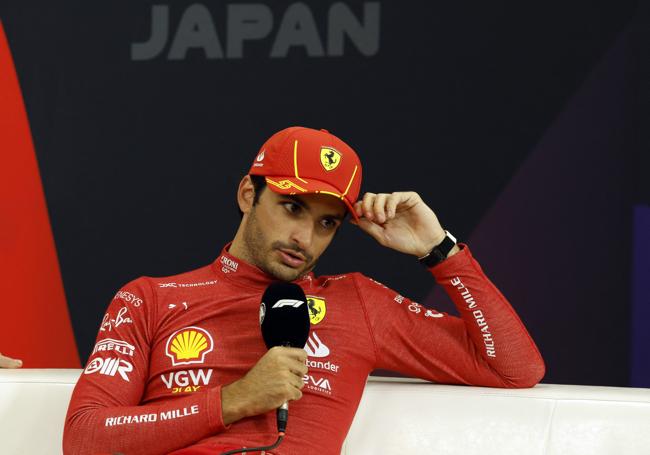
[{"x": 300, "y": 160}]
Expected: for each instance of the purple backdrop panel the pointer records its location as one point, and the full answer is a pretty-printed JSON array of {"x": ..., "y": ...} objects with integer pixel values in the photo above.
[
  {"x": 550, "y": 241},
  {"x": 640, "y": 368}
]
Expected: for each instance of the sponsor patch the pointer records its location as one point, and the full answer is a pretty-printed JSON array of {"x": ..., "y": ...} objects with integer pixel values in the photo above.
[
  {"x": 433, "y": 314},
  {"x": 315, "y": 347},
  {"x": 287, "y": 302},
  {"x": 150, "y": 418},
  {"x": 189, "y": 345},
  {"x": 330, "y": 158},
  {"x": 128, "y": 297},
  {"x": 228, "y": 265},
  {"x": 479, "y": 317},
  {"x": 317, "y": 309},
  {"x": 119, "y": 346},
  {"x": 186, "y": 285},
  {"x": 186, "y": 381},
  {"x": 415, "y": 307},
  {"x": 171, "y": 306},
  {"x": 317, "y": 384},
  {"x": 109, "y": 324},
  {"x": 110, "y": 367}
]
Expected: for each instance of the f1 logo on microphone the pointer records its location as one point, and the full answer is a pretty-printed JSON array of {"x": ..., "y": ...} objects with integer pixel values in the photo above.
[{"x": 288, "y": 302}]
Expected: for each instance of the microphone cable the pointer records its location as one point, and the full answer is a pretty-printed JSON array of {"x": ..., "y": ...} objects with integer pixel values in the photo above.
[{"x": 257, "y": 449}]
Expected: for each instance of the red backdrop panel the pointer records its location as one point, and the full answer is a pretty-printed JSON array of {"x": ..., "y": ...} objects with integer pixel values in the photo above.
[{"x": 34, "y": 322}]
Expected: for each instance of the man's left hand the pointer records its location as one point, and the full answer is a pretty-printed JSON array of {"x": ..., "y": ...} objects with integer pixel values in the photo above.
[
  {"x": 8, "y": 362},
  {"x": 401, "y": 221}
]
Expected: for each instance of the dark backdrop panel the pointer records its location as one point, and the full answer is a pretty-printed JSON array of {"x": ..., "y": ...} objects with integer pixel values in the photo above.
[{"x": 140, "y": 158}]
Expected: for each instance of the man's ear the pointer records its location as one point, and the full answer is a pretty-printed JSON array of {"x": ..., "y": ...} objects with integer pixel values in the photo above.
[{"x": 245, "y": 194}]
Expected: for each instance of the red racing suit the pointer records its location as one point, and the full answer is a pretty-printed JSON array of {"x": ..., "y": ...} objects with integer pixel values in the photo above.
[{"x": 166, "y": 346}]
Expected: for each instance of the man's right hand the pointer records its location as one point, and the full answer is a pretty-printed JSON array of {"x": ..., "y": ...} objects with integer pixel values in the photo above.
[{"x": 275, "y": 378}]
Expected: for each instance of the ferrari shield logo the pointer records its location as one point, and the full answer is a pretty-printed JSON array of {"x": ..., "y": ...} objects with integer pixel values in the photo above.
[
  {"x": 317, "y": 309},
  {"x": 329, "y": 158}
]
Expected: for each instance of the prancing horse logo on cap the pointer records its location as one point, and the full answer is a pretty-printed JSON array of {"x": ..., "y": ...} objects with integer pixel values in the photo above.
[{"x": 329, "y": 158}]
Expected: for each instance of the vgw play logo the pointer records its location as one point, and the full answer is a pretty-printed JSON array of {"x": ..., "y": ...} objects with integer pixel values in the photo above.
[{"x": 282, "y": 31}]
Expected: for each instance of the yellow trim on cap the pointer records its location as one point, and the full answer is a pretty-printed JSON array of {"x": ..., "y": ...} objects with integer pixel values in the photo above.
[
  {"x": 351, "y": 180},
  {"x": 285, "y": 184},
  {"x": 330, "y": 193},
  {"x": 295, "y": 161}
]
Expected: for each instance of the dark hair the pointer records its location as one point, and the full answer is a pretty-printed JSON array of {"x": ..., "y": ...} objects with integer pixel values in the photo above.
[{"x": 259, "y": 183}]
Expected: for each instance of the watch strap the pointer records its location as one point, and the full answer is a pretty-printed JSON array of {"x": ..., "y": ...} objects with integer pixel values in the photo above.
[{"x": 439, "y": 252}]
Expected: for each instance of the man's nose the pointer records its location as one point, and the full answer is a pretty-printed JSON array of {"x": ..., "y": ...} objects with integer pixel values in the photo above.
[{"x": 302, "y": 234}]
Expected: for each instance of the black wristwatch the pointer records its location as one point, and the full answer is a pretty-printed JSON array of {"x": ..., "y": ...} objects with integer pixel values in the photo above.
[{"x": 439, "y": 252}]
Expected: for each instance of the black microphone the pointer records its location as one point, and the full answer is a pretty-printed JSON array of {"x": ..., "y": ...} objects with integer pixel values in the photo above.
[{"x": 284, "y": 318}]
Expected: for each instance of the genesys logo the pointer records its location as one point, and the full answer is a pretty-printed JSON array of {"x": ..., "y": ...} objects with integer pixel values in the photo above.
[
  {"x": 317, "y": 309},
  {"x": 110, "y": 367},
  {"x": 228, "y": 265},
  {"x": 128, "y": 297},
  {"x": 317, "y": 384},
  {"x": 119, "y": 346},
  {"x": 189, "y": 345},
  {"x": 121, "y": 318},
  {"x": 186, "y": 381}
]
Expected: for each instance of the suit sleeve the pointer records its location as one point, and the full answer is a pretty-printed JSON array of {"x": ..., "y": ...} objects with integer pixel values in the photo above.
[
  {"x": 487, "y": 345},
  {"x": 105, "y": 414}
]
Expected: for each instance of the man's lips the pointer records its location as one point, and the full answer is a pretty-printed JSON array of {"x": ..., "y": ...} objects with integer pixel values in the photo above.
[{"x": 291, "y": 257}]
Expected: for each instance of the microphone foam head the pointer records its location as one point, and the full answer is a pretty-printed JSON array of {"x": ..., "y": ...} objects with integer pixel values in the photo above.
[{"x": 284, "y": 315}]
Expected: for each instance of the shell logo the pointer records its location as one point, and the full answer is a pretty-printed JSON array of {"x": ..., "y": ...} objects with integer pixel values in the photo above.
[{"x": 189, "y": 345}]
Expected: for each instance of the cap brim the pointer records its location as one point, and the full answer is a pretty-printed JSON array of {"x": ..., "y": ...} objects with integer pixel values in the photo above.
[{"x": 295, "y": 186}]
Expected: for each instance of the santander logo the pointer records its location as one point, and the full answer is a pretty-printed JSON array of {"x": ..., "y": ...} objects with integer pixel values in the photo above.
[{"x": 315, "y": 347}]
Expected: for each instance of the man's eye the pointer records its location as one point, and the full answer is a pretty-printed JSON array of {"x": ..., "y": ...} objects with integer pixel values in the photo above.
[
  {"x": 291, "y": 207},
  {"x": 328, "y": 223}
]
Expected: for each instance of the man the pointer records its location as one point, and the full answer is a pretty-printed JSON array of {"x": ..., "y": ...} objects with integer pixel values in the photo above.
[{"x": 180, "y": 364}]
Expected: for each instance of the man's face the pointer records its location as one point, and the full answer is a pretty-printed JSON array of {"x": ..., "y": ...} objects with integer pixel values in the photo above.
[{"x": 285, "y": 235}]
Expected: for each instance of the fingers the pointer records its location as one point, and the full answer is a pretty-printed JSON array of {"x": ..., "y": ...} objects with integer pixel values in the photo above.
[
  {"x": 292, "y": 360},
  {"x": 379, "y": 208},
  {"x": 372, "y": 207},
  {"x": 391, "y": 205},
  {"x": 365, "y": 205},
  {"x": 7, "y": 362},
  {"x": 293, "y": 353},
  {"x": 382, "y": 207},
  {"x": 297, "y": 368}
]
